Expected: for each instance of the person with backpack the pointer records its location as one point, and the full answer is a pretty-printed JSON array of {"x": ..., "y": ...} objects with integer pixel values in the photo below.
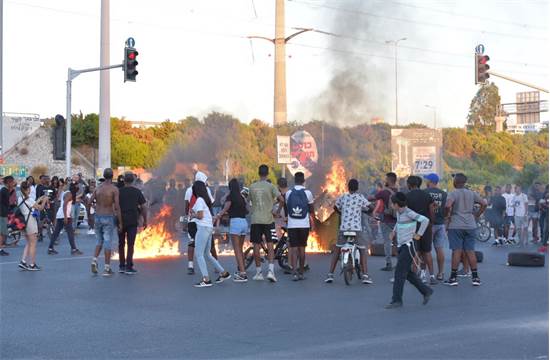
[
  {"x": 30, "y": 210},
  {"x": 383, "y": 200},
  {"x": 299, "y": 207}
]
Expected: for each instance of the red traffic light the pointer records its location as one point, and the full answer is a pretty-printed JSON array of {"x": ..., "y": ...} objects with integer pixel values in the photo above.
[
  {"x": 484, "y": 59},
  {"x": 132, "y": 55}
]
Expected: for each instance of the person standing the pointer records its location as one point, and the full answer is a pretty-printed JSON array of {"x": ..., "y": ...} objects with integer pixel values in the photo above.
[
  {"x": 535, "y": 194},
  {"x": 202, "y": 213},
  {"x": 64, "y": 221},
  {"x": 90, "y": 206},
  {"x": 407, "y": 233},
  {"x": 263, "y": 195},
  {"x": 388, "y": 220},
  {"x": 521, "y": 207},
  {"x": 496, "y": 215},
  {"x": 509, "y": 219},
  {"x": 421, "y": 202},
  {"x": 463, "y": 227},
  {"x": 106, "y": 197},
  {"x": 132, "y": 205},
  {"x": 30, "y": 210},
  {"x": 235, "y": 206},
  {"x": 439, "y": 233},
  {"x": 170, "y": 199},
  {"x": 32, "y": 186},
  {"x": 77, "y": 190},
  {"x": 5, "y": 194},
  {"x": 543, "y": 206},
  {"x": 299, "y": 207}
]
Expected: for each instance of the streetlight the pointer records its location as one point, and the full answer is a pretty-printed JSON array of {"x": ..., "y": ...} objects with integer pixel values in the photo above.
[
  {"x": 435, "y": 114},
  {"x": 395, "y": 43}
]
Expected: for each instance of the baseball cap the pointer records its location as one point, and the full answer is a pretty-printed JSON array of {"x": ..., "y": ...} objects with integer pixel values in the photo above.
[
  {"x": 432, "y": 177},
  {"x": 200, "y": 176}
]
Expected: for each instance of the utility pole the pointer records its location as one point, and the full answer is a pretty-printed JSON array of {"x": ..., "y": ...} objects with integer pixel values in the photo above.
[
  {"x": 395, "y": 43},
  {"x": 104, "y": 90},
  {"x": 279, "y": 106}
]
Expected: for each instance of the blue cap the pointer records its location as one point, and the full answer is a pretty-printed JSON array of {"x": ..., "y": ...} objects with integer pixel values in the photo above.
[{"x": 432, "y": 177}]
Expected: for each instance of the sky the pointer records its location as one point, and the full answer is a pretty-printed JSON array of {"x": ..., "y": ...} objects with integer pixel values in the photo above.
[{"x": 194, "y": 56}]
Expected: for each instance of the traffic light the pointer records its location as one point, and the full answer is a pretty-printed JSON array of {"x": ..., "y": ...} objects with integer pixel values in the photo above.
[
  {"x": 482, "y": 68},
  {"x": 130, "y": 64}
]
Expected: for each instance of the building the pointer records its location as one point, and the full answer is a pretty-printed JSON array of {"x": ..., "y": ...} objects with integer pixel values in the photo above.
[
  {"x": 526, "y": 128},
  {"x": 145, "y": 124}
]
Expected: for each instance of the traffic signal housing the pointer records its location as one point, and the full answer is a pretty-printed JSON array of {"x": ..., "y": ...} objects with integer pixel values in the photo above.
[
  {"x": 130, "y": 64},
  {"x": 482, "y": 69}
]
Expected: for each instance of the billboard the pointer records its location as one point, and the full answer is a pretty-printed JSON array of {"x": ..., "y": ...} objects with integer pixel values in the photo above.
[
  {"x": 16, "y": 126},
  {"x": 283, "y": 150},
  {"x": 17, "y": 171},
  {"x": 303, "y": 152},
  {"x": 416, "y": 152}
]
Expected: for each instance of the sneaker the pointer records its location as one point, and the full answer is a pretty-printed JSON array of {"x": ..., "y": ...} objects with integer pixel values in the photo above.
[
  {"x": 4, "y": 252},
  {"x": 94, "y": 267},
  {"x": 433, "y": 280},
  {"x": 76, "y": 252},
  {"x": 271, "y": 276},
  {"x": 258, "y": 277},
  {"x": 223, "y": 276},
  {"x": 393, "y": 305},
  {"x": 108, "y": 272},
  {"x": 91, "y": 232},
  {"x": 23, "y": 265},
  {"x": 130, "y": 271},
  {"x": 240, "y": 278},
  {"x": 301, "y": 276},
  {"x": 52, "y": 252},
  {"x": 497, "y": 242},
  {"x": 329, "y": 279},
  {"x": 295, "y": 277},
  {"x": 122, "y": 269},
  {"x": 388, "y": 267},
  {"x": 424, "y": 276},
  {"x": 366, "y": 279},
  {"x": 476, "y": 282},
  {"x": 451, "y": 282},
  {"x": 203, "y": 283},
  {"x": 462, "y": 273},
  {"x": 190, "y": 271},
  {"x": 34, "y": 267},
  {"x": 427, "y": 297},
  {"x": 439, "y": 277},
  {"x": 288, "y": 271},
  {"x": 392, "y": 280}
]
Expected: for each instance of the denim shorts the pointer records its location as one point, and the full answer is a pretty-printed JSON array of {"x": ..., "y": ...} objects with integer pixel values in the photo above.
[
  {"x": 238, "y": 226},
  {"x": 439, "y": 236},
  {"x": 105, "y": 230},
  {"x": 462, "y": 239}
]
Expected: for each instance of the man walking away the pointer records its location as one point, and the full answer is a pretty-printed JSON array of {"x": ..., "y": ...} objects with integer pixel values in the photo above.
[
  {"x": 299, "y": 206},
  {"x": 388, "y": 221},
  {"x": 462, "y": 227},
  {"x": 521, "y": 221},
  {"x": 407, "y": 235},
  {"x": 262, "y": 195},
  {"x": 439, "y": 233},
  {"x": 496, "y": 215},
  {"x": 107, "y": 213},
  {"x": 132, "y": 204},
  {"x": 64, "y": 220},
  {"x": 5, "y": 194},
  {"x": 535, "y": 194}
]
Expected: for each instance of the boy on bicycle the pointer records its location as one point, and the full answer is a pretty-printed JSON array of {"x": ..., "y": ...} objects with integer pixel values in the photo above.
[
  {"x": 407, "y": 235},
  {"x": 350, "y": 206}
]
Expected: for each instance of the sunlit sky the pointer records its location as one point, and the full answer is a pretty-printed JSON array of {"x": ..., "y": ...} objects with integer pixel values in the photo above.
[{"x": 194, "y": 57}]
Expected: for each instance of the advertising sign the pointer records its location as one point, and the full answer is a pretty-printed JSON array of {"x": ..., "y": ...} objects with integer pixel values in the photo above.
[
  {"x": 17, "y": 171},
  {"x": 303, "y": 151},
  {"x": 283, "y": 150},
  {"x": 416, "y": 152},
  {"x": 15, "y": 127}
]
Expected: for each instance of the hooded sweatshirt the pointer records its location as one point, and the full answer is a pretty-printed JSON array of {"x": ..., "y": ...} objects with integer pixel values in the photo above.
[{"x": 405, "y": 227}]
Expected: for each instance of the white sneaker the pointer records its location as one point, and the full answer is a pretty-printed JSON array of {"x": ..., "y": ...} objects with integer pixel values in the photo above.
[
  {"x": 392, "y": 280},
  {"x": 271, "y": 276},
  {"x": 424, "y": 276},
  {"x": 91, "y": 232},
  {"x": 258, "y": 277}
]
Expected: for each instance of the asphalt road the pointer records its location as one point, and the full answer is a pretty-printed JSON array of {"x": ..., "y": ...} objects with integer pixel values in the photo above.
[{"x": 65, "y": 312}]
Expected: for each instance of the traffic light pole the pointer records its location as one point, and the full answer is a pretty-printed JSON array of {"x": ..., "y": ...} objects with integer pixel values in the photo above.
[
  {"x": 517, "y": 81},
  {"x": 71, "y": 75}
]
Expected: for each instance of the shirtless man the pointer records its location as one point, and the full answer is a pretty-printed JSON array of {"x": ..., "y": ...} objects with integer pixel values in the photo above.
[{"x": 107, "y": 214}]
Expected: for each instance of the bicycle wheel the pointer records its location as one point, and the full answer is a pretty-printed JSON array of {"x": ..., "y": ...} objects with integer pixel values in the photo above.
[
  {"x": 13, "y": 238},
  {"x": 348, "y": 272},
  {"x": 483, "y": 233},
  {"x": 248, "y": 257},
  {"x": 282, "y": 258}
]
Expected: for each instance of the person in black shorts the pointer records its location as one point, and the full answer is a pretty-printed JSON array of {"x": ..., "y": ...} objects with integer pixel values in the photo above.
[{"x": 420, "y": 202}]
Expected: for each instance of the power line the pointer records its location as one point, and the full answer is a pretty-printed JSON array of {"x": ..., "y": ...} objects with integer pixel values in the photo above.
[{"x": 365, "y": 13}]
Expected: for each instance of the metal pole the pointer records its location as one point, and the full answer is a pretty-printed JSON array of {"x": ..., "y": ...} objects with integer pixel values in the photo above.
[
  {"x": 104, "y": 91},
  {"x": 517, "y": 81},
  {"x": 396, "y": 101},
  {"x": 68, "y": 125},
  {"x": 280, "y": 115}
]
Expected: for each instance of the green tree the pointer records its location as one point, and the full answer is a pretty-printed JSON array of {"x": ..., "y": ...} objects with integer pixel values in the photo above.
[{"x": 483, "y": 108}]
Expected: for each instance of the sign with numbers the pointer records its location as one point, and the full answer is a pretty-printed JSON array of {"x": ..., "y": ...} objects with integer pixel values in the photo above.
[
  {"x": 283, "y": 150},
  {"x": 424, "y": 160}
]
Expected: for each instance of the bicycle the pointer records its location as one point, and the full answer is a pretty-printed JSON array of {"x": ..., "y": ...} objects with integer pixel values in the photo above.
[
  {"x": 483, "y": 230},
  {"x": 281, "y": 251},
  {"x": 350, "y": 257},
  {"x": 45, "y": 223}
]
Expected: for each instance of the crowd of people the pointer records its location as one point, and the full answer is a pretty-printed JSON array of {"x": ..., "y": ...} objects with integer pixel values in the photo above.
[{"x": 412, "y": 220}]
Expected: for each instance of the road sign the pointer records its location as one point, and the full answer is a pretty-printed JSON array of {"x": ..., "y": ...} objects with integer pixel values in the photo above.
[
  {"x": 130, "y": 42},
  {"x": 480, "y": 49},
  {"x": 283, "y": 150}
]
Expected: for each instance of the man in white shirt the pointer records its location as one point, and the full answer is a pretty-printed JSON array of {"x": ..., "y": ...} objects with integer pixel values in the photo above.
[
  {"x": 299, "y": 204},
  {"x": 520, "y": 202},
  {"x": 509, "y": 219}
]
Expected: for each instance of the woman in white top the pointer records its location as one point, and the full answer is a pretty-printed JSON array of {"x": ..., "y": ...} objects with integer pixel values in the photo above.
[
  {"x": 27, "y": 205},
  {"x": 32, "y": 186},
  {"x": 202, "y": 212}
]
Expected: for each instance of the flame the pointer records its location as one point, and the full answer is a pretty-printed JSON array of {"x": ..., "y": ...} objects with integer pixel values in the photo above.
[
  {"x": 156, "y": 240},
  {"x": 314, "y": 244},
  {"x": 335, "y": 181}
]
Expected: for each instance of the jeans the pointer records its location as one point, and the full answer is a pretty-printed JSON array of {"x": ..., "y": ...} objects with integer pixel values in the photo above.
[
  {"x": 59, "y": 225},
  {"x": 403, "y": 272},
  {"x": 203, "y": 242},
  {"x": 386, "y": 229},
  {"x": 75, "y": 212},
  {"x": 105, "y": 230},
  {"x": 128, "y": 235}
]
